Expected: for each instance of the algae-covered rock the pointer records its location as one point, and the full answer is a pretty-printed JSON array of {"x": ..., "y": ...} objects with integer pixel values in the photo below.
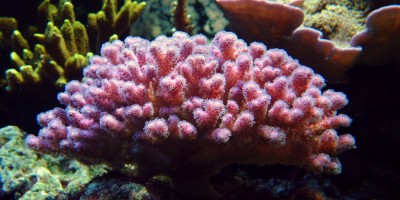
[
  {"x": 338, "y": 20},
  {"x": 105, "y": 189},
  {"x": 27, "y": 175}
]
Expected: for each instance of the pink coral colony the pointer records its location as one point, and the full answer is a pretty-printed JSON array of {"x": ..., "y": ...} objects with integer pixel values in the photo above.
[{"x": 178, "y": 106}]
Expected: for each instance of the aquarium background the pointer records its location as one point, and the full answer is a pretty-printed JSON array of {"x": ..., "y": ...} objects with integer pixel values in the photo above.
[{"x": 371, "y": 84}]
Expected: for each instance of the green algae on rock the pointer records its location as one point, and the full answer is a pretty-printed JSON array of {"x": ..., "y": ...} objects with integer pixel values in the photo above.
[
  {"x": 338, "y": 20},
  {"x": 28, "y": 175}
]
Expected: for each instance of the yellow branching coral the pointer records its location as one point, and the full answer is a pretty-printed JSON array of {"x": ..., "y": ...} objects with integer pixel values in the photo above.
[
  {"x": 65, "y": 46},
  {"x": 109, "y": 21},
  {"x": 7, "y": 25}
]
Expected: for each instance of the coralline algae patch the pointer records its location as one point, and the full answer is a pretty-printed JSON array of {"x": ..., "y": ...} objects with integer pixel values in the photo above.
[
  {"x": 27, "y": 175},
  {"x": 338, "y": 20}
]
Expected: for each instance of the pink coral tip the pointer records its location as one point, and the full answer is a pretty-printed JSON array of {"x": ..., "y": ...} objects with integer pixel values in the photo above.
[
  {"x": 324, "y": 163},
  {"x": 220, "y": 135},
  {"x": 243, "y": 121},
  {"x": 111, "y": 124},
  {"x": 273, "y": 135},
  {"x": 33, "y": 142},
  {"x": 187, "y": 130},
  {"x": 111, "y": 52},
  {"x": 346, "y": 142},
  {"x": 155, "y": 129}
]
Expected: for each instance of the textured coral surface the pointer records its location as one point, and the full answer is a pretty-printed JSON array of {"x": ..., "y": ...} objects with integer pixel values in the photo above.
[{"x": 178, "y": 105}]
